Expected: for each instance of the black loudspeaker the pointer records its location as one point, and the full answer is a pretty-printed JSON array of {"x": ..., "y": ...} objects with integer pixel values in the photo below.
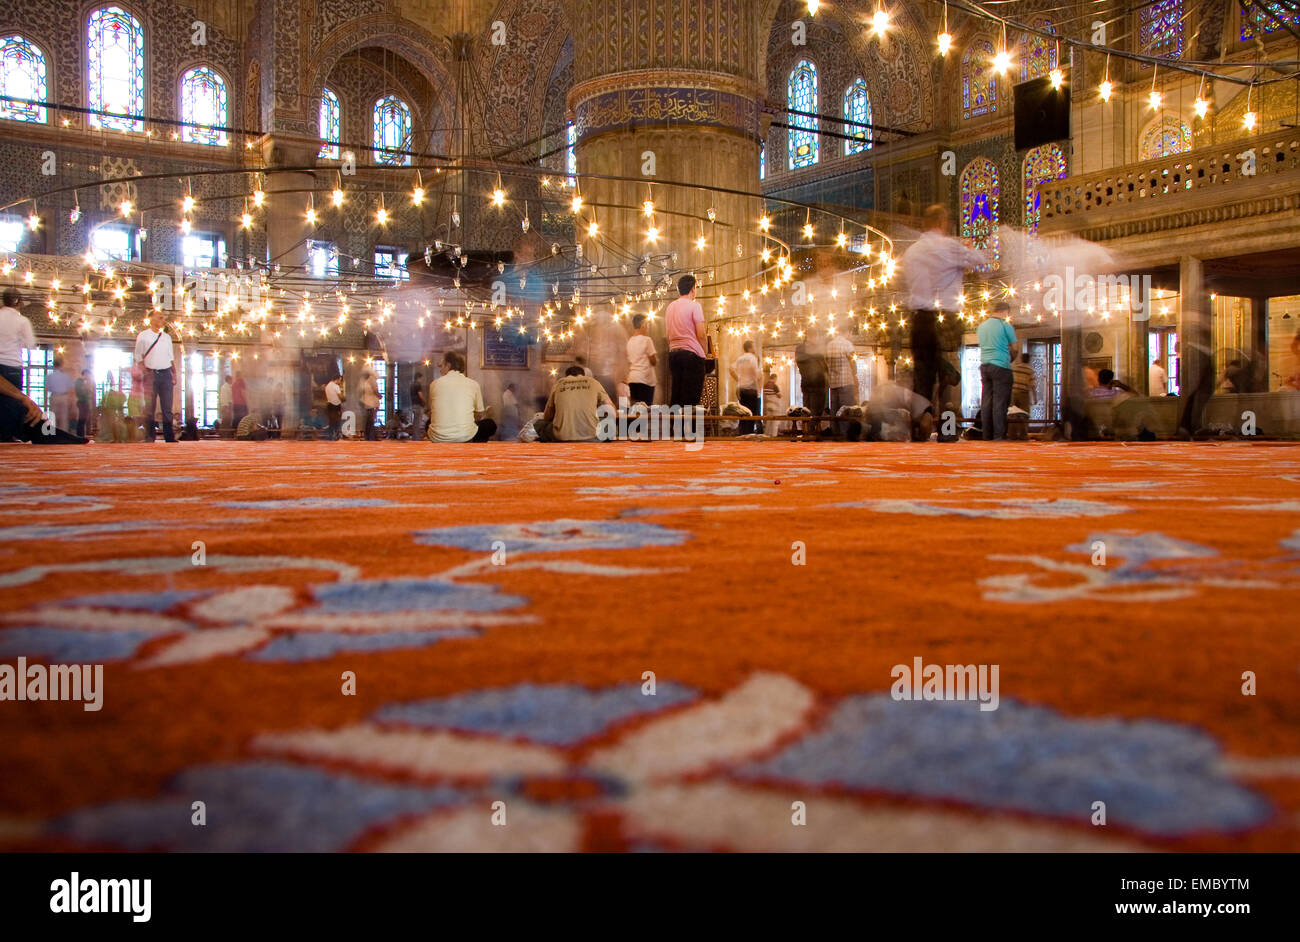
[{"x": 1042, "y": 113}]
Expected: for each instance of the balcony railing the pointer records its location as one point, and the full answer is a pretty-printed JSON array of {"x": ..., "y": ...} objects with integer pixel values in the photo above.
[{"x": 1164, "y": 184}]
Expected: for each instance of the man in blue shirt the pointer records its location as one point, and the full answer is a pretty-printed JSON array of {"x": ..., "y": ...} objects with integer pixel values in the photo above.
[{"x": 997, "y": 347}]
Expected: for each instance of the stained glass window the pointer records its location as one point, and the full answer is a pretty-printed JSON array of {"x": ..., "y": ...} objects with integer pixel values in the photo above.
[
  {"x": 1041, "y": 165},
  {"x": 1039, "y": 56},
  {"x": 857, "y": 108},
  {"x": 392, "y": 131},
  {"x": 1266, "y": 16},
  {"x": 571, "y": 154},
  {"x": 1160, "y": 29},
  {"x": 762, "y": 161},
  {"x": 1170, "y": 135},
  {"x": 979, "y": 207},
  {"x": 116, "y": 86},
  {"x": 330, "y": 119},
  {"x": 22, "y": 75},
  {"x": 203, "y": 107},
  {"x": 979, "y": 83},
  {"x": 801, "y": 95}
]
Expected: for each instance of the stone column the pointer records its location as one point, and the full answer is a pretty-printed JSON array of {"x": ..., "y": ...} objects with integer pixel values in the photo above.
[
  {"x": 1259, "y": 344},
  {"x": 1139, "y": 350},
  {"x": 287, "y": 228},
  {"x": 663, "y": 92}
]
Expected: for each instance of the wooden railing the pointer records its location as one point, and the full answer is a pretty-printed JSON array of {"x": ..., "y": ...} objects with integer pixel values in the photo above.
[{"x": 1160, "y": 185}]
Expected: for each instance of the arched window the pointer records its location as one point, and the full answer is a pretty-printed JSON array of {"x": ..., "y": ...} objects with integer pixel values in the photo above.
[
  {"x": 1267, "y": 17},
  {"x": 22, "y": 75},
  {"x": 801, "y": 95},
  {"x": 979, "y": 206},
  {"x": 1041, "y": 165},
  {"x": 331, "y": 115},
  {"x": 203, "y": 107},
  {"x": 116, "y": 81},
  {"x": 392, "y": 131},
  {"x": 571, "y": 154},
  {"x": 1167, "y": 136},
  {"x": 979, "y": 83},
  {"x": 1039, "y": 56},
  {"x": 857, "y": 109},
  {"x": 1160, "y": 29},
  {"x": 762, "y": 161}
]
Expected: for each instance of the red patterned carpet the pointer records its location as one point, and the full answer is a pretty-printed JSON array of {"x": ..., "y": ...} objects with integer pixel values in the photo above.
[{"x": 636, "y": 647}]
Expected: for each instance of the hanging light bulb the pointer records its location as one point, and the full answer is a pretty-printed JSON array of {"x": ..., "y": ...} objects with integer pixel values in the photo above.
[
  {"x": 33, "y": 221},
  {"x": 807, "y": 230},
  {"x": 337, "y": 196},
  {"x": 417, "y": 195},
  {"x": 311, "y": 215},
  {"x": 813, "y": 7},
  {"x": 1057, "y": 77},
  {"x": 700, "y": 243},
  {"x": 125, "y": 207},
  {"x": 187, "y": 204},
  {"x": 652, "y": 234},
  {"x": 186, "y": 225},
  {"x": 576, "y": 204},
  {"x": 1202, "y": 107},
  {"x": 1249, "y": 118},
  {"x": 1001, "y": 62},
  {"x": 381, "y": 215},
  {"x": 498, "y": 197},
  {"x": 1154, "y": 100},
  {"x": 258, "y": 198},
  {"x": 1104, "y": 90},
  {"x": 945, "y": 42},
  {"x": 764, "y": 223},
  {"x": 593, "y": 228},
  {"x": 246, "y": 220},
  {"x": 648, "y": 207},
  {"x": 879, "y": 22}
]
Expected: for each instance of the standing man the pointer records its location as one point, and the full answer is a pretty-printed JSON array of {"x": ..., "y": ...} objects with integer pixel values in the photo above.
[
  {"x": 225, "y": 404},
  {"x": 156, "y": 356},
  {"x": 641, "y": 362},
  {"x": 810, "y": 360},
  {"x": 684, "y": 321},
  {"x": 456, "y": 410},
  {"x": 842, "y": 376},
  {"x": 747, "y": 375},
  {"x": 334, "y": 405},
  {"x": 934, "y": 266},
  {"x": 997, "y": 346},
  {"x": 1157, "y": 380}
]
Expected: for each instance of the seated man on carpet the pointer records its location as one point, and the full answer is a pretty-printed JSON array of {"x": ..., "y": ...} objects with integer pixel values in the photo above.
[
  {"x": 456, "y": 410},
  {"x": 570, "y": 414},
  {"x": 893, "y": 404}
]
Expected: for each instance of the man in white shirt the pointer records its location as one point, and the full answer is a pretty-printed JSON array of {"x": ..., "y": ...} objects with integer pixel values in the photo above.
[
  {"x": 933, "y": 267},
  {"x": 841, "y": 376},
  {"x": 156, "y": 356},
  {"x": 641, "y": 362},
  {"x": 747, "y": 376},
  {"x": 1157, "y": 380},
  {"x": 334, "y": 406},
  {"x": 456, "y": 410},
  {"x": 16, "y": 335}
]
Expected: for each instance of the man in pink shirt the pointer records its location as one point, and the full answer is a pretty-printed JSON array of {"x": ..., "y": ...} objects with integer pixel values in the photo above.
[{"x": 684, "y": 321}]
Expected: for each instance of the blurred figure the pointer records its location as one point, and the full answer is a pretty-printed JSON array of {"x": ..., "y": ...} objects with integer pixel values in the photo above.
[
  {"x": 1024, "y": 385},
  {"x": 810, "y": 359},
  {"x": 509, "y": 413},
  {"x": 933, "y": 267},
  {"x": 238, "y": 399},
  {"x": 841, "y": 376},
  {"x": 641, "y": 363},
  {"x": 997, "y": 341},
  {"x": 1157, "y": 380},
  {"x": 418, "y": 405},
  {"x": 84, "y": 388},
  {"x": 63, "y": 397},
  {"x": 225, "y": 404},
  {"x": 112, "y": 424},
  {"x": 747, "y": 375},
  {"x": 277, "y": 403},
  {"x": 896, "y": 412},
  {"x": 369, "y": 396},
  {"x": 773, "y": 403}
]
